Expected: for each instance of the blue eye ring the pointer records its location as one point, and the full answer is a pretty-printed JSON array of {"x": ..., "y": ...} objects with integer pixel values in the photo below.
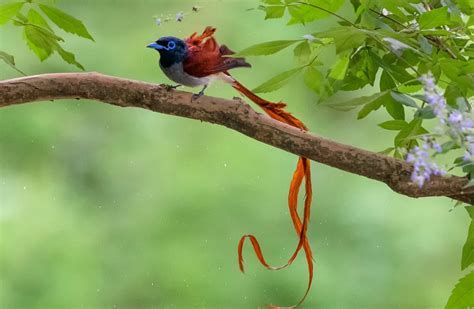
[{"x": 171, "y": 45}]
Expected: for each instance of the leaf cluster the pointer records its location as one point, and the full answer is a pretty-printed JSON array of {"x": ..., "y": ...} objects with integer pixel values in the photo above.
[
  {"x": 34, "y": 18},
  {"x": 383, "y": 44}
]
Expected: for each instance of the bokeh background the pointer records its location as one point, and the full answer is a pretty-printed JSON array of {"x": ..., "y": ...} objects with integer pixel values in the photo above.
[{"x": 102, "y": 207}]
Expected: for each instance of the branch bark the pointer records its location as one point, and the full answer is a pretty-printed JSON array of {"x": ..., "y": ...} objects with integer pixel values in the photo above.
[{"x": 234, "y": 114}]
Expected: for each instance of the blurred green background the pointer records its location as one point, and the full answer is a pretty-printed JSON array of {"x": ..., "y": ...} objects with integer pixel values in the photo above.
[{"x": 102, "y": 207}]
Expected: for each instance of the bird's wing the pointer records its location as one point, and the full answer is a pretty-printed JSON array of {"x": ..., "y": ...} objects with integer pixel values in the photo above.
[{"x": 206, "y": 57}]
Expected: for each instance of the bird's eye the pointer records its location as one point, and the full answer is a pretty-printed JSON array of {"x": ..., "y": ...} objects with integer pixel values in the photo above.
[{"x": 171, "y": 45}]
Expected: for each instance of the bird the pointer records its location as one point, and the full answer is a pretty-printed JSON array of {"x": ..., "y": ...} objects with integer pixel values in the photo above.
[{"x": 197, "y": 61}]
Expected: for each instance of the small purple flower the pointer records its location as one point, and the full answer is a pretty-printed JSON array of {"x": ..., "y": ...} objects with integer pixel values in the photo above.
[
  {"x": 432, "y": 97},
  {"x": 423, "y": 167},
  {"x": 179, "y": 16},
  {"x": 437, "y": 147},
  {"x": 455, "y": 117},
  {"x": 428, "y": 81},
  {"x": 469, "y": 153},
  {"x": 453, "y": 123}
]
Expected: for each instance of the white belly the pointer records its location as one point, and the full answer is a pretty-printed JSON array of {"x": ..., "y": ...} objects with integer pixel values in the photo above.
[{"x": 177, "y": 74}]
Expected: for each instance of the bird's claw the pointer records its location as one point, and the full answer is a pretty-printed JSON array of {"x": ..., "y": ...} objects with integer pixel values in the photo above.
[
  {"x": 197, "y": 95},
  {"x": 171, "y": 87}
]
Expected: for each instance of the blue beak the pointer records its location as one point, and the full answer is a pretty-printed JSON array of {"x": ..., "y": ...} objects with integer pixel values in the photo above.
[{"x": 155, "y": 46}]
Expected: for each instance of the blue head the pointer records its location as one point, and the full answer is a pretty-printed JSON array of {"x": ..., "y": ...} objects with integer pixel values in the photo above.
[{"x": 172, "y": 50}]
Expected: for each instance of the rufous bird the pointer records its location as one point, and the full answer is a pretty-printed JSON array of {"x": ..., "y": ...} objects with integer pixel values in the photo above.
[{"x": 198, "y": 60}]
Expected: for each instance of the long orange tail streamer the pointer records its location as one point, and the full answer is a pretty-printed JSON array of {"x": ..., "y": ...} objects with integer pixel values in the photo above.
[{"x": 277, "y": 112}]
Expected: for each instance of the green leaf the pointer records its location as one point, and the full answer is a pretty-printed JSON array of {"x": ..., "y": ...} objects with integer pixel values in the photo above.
[
  {"x": 344, "y": 37},
  {"x": 462, "y": 296},
  {"x": 313, "y": 79},
  {"x": 394, "y": 108},
  {"x": 466, "y": 6},
  {"x": 405, "y": 136},
  {"x": 362, "y": 70},
  {"x": 395, "y": 125},
  {"x": 7, "y": 58},
  {"x": 339, "y": 69},
  {"x": 42, "y": 54},
  {"x": 434, "y": 18},
  {"x": 447, "y": 146},
  {"x": 69, "y": 57},
  {"x": 425, "y": 45},
  {"x": 65, "y": 21},
  {"x": 41, "y": 41},
  {"x": 404, "y": 99},
  {"x": 468, "y": 168},
  {"x": 35, "y": 18},
  {"x": 278, "y": 81},
  {"x": 266, "y": 48},
  {"x": 425, "y": 113},
  {"x": 8, "y": 11},
  {"x": 305, "y": 13},
  {"x": 359, "y": 101},
  {"x": 10, "y": 60},
  {"x": 387, "y": 151},
  {"x": 369, "y": 107},
  {"x": 468, "y": 248},
  {"x": 451, "y": 93},
  {"x": 302, "y": 52},
  {"x": 274, "y": 11}
]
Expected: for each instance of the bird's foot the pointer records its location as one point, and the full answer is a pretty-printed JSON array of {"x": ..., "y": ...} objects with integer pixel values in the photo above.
[
  {"x": 199, "y": 94},
  {"x": 172, "y": 87}
]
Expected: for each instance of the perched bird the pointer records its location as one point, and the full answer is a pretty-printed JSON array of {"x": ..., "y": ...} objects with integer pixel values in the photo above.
[{"x": 198, "y": 60}]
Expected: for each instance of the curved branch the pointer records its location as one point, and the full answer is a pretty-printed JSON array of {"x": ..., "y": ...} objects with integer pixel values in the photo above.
[{"x": 234, "y": 114}]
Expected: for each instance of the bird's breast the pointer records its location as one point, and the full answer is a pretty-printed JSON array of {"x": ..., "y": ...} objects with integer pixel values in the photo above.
[{"x": 176, "y": 73}]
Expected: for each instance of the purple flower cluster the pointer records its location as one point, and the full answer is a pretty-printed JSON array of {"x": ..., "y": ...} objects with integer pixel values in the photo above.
[
  {"x": 453, "y": 123},
  {"x": 179, "y": 16},
  {"x": 432, "y": 97},
  {"x": 469, "y": 152},
  {"x": 423, "y": 166}
]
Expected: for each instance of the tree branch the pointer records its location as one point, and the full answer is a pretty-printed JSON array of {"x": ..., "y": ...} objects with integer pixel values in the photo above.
[{"x": 234, "y": 114}]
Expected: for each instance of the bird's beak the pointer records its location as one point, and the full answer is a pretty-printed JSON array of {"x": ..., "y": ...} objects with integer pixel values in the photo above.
[{"x": 155, "y": 46}]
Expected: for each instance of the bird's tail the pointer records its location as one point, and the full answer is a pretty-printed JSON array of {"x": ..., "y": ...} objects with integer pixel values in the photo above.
[
  {"x": 277, "y": 112},
  {"x": 274, "y": 110}
]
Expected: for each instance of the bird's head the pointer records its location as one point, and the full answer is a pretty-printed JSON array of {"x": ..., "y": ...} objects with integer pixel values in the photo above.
[{"x": 172, "y": 50}]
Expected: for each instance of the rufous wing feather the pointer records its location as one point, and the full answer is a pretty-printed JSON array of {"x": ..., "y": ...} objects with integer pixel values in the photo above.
[{"x": 206, "y": 57}]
